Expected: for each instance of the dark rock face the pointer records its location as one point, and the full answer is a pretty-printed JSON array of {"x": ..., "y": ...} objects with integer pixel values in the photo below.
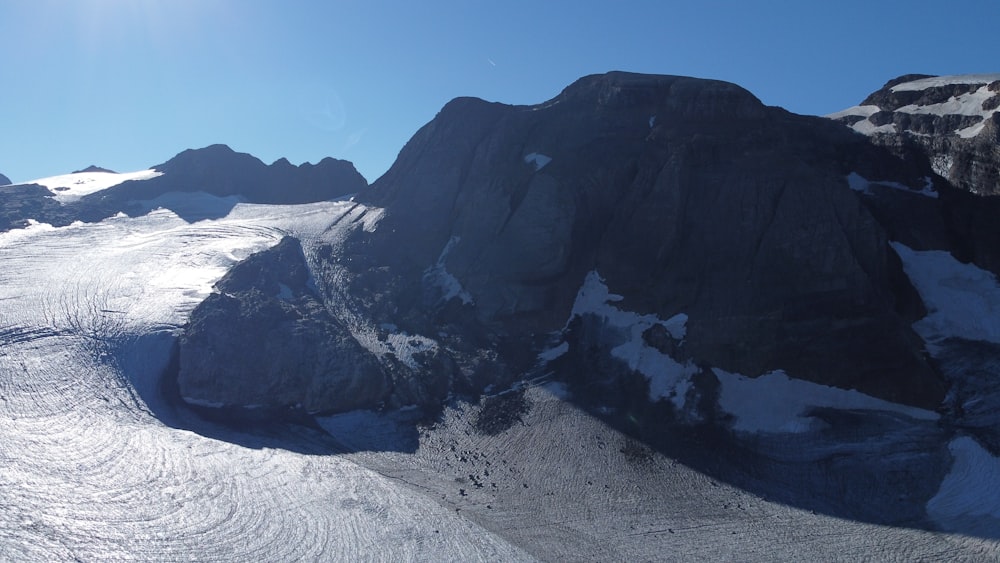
[
  {"x": 4, "y": 180},
  {"x": 688, "y": 196},
  {"x": 266, "y": 341},
  {"x": 18, "y": 203}
]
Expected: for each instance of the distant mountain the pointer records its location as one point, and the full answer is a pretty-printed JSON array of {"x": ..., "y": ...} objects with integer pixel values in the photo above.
[
  {"x": 220, "y": 171},
  {"x": 4, "y": 180},
  {"x": 94, "y": 168},
  {"x": 95, "y": 193}
]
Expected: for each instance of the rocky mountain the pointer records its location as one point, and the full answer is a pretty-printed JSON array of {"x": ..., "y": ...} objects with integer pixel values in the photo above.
[
  {"x": 95, "y": 193},
  {"x": 4, "y": 180},
  {"x": 512, "y": 240},
  {"x": 953, "y": 121}
]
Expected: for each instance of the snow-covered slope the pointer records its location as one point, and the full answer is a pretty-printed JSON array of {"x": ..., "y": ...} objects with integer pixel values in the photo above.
[
  {"x": 87, "y": 472},
  {"x": 71, "y": 187}
]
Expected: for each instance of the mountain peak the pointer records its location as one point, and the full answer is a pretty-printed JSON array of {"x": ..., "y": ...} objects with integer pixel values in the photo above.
[
  {"x": 4, "y": 180},
  {"x": 93, "y": 168}
]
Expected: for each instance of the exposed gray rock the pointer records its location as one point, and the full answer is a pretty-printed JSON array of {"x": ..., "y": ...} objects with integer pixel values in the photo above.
[{"x": 265, "y": 341}]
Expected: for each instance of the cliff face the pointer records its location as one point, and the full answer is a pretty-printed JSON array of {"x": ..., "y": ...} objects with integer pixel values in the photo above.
[
  {"x": 687, "y": 196},
  {"x": 724, "y": 229}
]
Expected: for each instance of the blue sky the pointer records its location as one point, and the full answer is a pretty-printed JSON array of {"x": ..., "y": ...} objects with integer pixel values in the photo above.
[{"x": 127, "y": 84}]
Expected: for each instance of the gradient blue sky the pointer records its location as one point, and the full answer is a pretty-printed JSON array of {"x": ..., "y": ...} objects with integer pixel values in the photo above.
[{"x": 127, "y": 84}]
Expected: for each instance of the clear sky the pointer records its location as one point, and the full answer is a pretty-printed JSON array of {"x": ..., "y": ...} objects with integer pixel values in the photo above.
[{"x": 127, "y": 84}]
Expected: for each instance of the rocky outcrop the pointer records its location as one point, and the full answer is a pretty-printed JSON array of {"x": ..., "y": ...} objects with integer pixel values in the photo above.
[
  {"x": 688, "y": 196},
  {"x": 265, "y": 342}
]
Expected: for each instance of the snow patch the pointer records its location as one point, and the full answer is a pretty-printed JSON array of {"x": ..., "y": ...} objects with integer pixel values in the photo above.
[
  {"x": 963, "y": 300},
  {"x": 971, "y": 488},
  {"x": 284, "y": 292},
  {"x": 861, "y": 184},
  {"x": 438, "y": 276},
  {"x": 668, "y": 378},
  {"x": 371, "y": 218},
  {"x": 71, "y": 187},
  {"x": 866, "y": 127},
  {"x": 775, "y": 403},
  {"x": 863, "y": 111},
  {"x": 652, "y": 121},
  {"x": 971, "y": 131},
  {"x": 538, "y": 159},
  {"x": 554, "y": 352}
]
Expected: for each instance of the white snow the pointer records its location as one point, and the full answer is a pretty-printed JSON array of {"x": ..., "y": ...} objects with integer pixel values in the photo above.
[
  {"x": 937, "y": 81},
  {"x": 652, "y": 121},
  {"x": 859, "y": 183},
  {"x": 438, "y": 276},
  {"x": 966, "y": 104},
  {"x": 554, "y": 352},
  {"x": 71, "y": 187},
  {"x": 971, "y": 488},
  {"x": 866, "y": 127},
  {"x": 776, "y": 403},
  {"x": 668, "y": 378},
  {"x": 972, "y": 130},
  {"x": 538, "y": 159},
  {"x": 864, "y": 111},
  {"x": 963, "y": 300}
]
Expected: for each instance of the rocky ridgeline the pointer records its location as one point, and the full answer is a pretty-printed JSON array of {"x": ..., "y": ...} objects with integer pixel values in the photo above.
[
  {"x": 4, "y": 180},
  {"x": 216, "y": 170}
]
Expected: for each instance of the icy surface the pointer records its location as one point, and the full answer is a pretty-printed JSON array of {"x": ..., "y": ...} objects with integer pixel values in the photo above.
[
  {"x": 971, "y": 488},
  {"x": 668, "y": 378},
  {"x": 71, "y": 187},
  {"x": 87, "y": 317},
  {"x": 962, "y": 299},
  {"x": 776, "y": 403}
]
